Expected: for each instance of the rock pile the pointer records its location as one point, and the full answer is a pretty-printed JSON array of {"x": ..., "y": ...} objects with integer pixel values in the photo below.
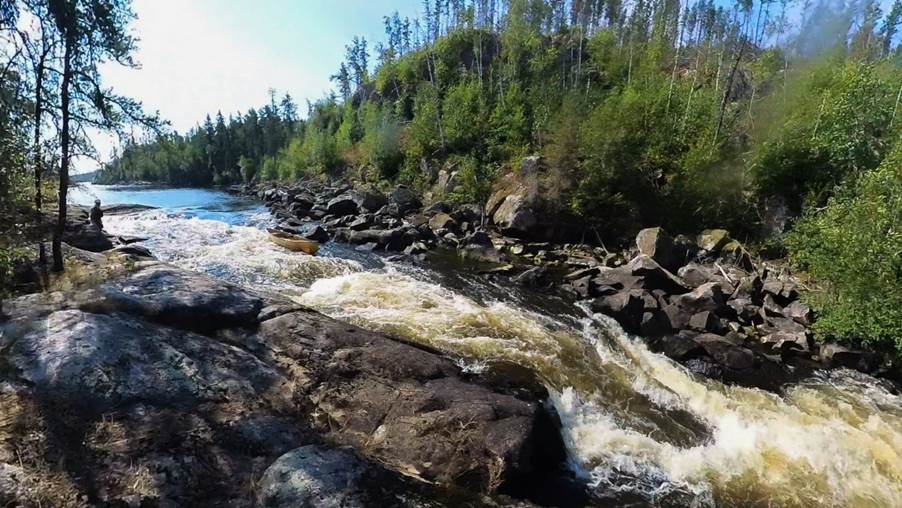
[{"x": 704, "y": 301}]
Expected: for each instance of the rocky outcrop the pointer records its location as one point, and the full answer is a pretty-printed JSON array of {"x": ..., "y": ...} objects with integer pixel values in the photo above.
[{"x": 166, "y": 387}]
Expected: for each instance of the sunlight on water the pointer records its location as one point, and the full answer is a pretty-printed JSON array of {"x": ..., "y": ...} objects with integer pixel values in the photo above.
[
  {"x": 633, "y": 421},
  {"x": 238, "y": 254}
]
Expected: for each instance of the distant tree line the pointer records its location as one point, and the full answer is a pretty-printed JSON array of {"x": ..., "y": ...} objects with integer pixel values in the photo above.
[{"x": 217, "y": 152}]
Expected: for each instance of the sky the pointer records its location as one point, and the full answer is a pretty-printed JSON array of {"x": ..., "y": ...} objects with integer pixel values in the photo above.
[{"x": 200, "y": 56}]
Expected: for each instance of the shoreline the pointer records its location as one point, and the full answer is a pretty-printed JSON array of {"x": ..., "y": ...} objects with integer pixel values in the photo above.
[{"x": 721, "y": 311}]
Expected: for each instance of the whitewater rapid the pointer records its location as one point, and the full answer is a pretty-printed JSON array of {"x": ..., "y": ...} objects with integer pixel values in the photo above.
[{"x": 634, "y": 422}]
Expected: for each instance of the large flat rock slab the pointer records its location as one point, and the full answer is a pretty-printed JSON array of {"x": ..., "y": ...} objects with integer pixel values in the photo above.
[{"x": 169, "y": 388}]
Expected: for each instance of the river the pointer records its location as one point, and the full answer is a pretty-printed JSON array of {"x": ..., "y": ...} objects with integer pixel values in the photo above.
[{"x": 638, "y": 426}]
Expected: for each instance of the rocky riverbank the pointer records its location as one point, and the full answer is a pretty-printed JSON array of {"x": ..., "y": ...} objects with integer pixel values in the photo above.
[
  {"x": 158, "y": 386},
  {"x": 703, "y": 300}
]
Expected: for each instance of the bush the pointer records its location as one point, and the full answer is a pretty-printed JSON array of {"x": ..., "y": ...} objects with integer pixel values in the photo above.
[
  {"x": 838, "y": 128},
  {"x": 423, "y": 136},
  {"x": 382, "y": 141},
  {"x": 463, "y": 116},
  {"x": 854, "y": 248}
]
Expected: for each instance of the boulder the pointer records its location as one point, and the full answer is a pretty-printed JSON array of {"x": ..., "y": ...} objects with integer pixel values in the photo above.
[
  {"x": 468, "y": 213},
  {"x": 835, "y": 355},
  {"x": 695, "y": 275},
  {"x": 799, "y": 312},
  {"x": 712, "y": 240},
  {"x": 360, "y": 223},
  {"x": 655, "y": 276},
  {"x": 707, "y": 297},
  {"x": 369, "y": 201},
  {"x": 677, "y": 316},
  {"x": 483, "y": 253},
  {"x": 442, "y": 221},
  {"x": 744, "y": 310},
  {"x": 436, "y": 208},
  {"x": 535, "y": 277},
  {"x": 513, "y": 216},
  {"x": 313, "y": 476},
  {"x": 478, "y": 237},
  {"x": 163, "y": 294},
  {"x": 658, "y": 245},
  {"x": 356, "y": 378},
  {"x": 87, "y": 237},
  {"x": 726, "y": 353},
  {"x": 416, "y": 248},
  {"x": 405, "y": 199},
  {"x": 655, "y": 323},
  {"x": 152, "y": 384},
  {"x": 341, "y": 206},
  {"x": 389, "y": 211},
  {"x": 314, "y": 232},
  {"x": 625, "y": 307},
  {"x": 705, "y": 321},
  {"x": 616, "y": 278}
]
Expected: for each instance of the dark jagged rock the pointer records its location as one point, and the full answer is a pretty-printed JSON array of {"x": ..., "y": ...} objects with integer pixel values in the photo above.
[
  {"x": 442, "y": 221},
  {"x": 369, "y": 201},
  {"x": 341, "y": 206},
  {"x": 655, "y": 276},
  {"x": 707, "y": 297},
  {"x": 535, "y": 277},
  {"x": 88, "y": 237},
  {"x": 405, "y": 199},
  {"x": 712, "y": 240},
  {"x": 314, "y": 232},
  {"x": 658, "y": 245},
  {"x": 625, "y": 307}
]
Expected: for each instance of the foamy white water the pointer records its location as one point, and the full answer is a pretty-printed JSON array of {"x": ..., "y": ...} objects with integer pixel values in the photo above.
[{"x": 633, "y": 421}]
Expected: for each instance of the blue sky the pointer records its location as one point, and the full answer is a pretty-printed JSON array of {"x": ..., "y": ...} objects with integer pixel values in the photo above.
[{"x": 200, "y": 56}]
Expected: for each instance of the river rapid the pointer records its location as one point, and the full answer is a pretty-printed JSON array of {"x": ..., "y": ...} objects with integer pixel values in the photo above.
[{"x": 637, "y": 426}]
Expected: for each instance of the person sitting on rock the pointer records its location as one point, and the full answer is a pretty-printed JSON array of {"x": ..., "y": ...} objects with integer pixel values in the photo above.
[{"x": 97, "y": 215}]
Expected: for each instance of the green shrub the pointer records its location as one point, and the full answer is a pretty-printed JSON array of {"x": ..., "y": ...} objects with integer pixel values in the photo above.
[
  {"x": 463, "y": 115},
  {"x": 854, "y": 248},
  {"x": 382, "y": 140}
]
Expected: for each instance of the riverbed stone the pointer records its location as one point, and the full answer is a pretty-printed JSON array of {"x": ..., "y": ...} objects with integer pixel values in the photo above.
[
  {"x": 405, "y": 199},
  {"x": 369, "y": 201},
  {"x": 658, "y": 245},
  {"x": 442, "y": 221},
  {"x": 341, "y": 206},
  {"x": 712, "y": 240},
  {"x": 313, "y": 476}
]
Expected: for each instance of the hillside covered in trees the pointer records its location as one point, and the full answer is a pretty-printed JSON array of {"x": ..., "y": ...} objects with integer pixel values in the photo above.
[
  {"x": 775, "y": 119},
  {"x": 686, "y": 113}
]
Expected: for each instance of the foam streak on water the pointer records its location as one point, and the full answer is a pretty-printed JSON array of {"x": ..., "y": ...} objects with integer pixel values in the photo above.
[{"x": 633, "y": 421}]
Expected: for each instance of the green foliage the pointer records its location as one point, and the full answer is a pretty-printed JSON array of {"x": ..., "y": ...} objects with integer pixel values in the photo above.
[
  {"x": 318, "y": 150},
  {"x": 854, "y": 247},
  {"x": 423, "y": 136},
  {"x": 382, "y": 141},
  {"x": 475, "y": 179},
  {"x": 837, "y": 128},
  {"x": 509, "y": 123},
  {"x": 463, "y": 116}
]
